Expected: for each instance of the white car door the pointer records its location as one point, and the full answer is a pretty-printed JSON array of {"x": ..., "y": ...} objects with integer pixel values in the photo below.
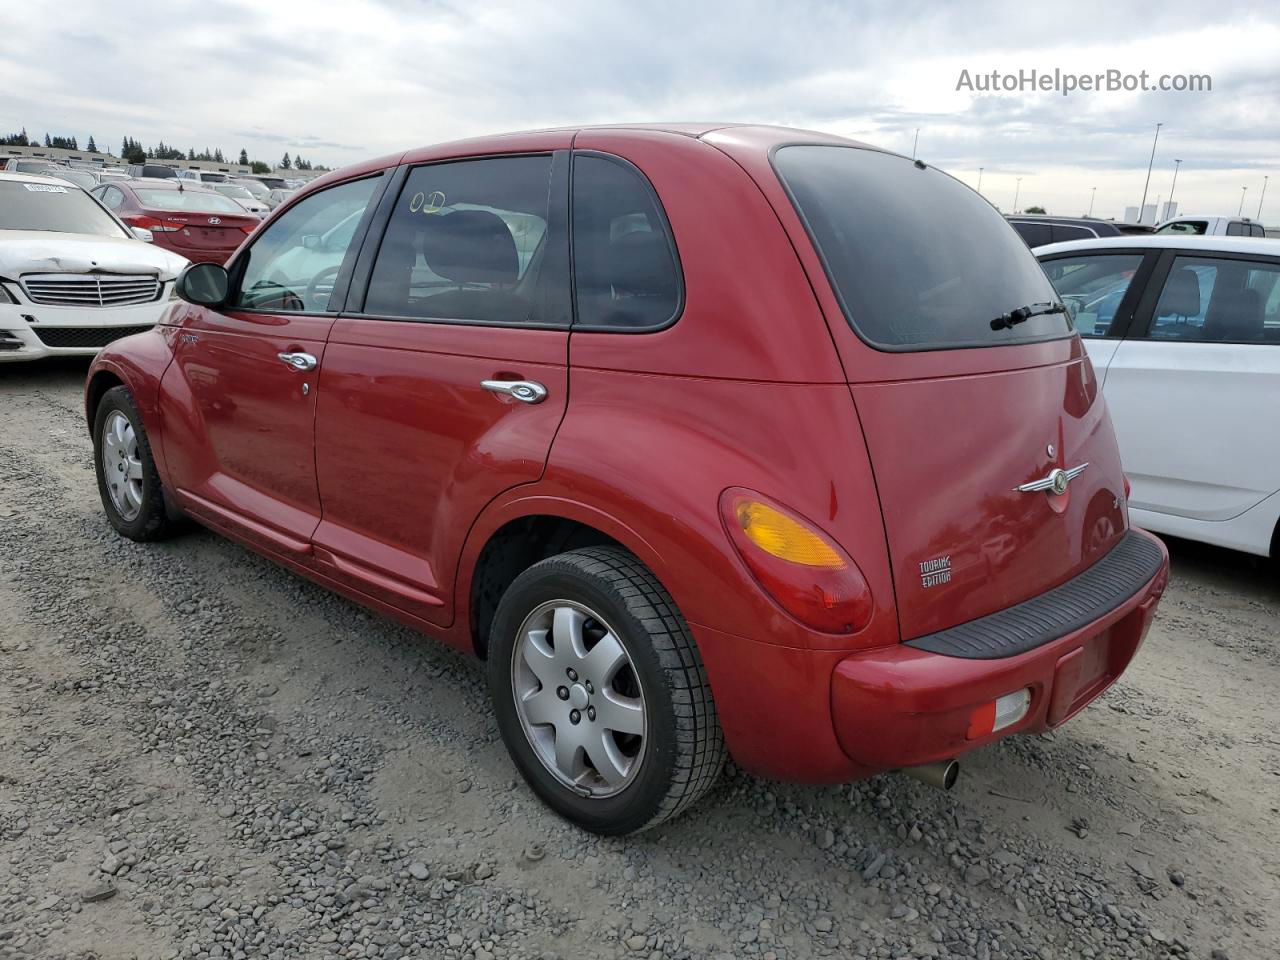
[{"x": 1194, "y": 390}]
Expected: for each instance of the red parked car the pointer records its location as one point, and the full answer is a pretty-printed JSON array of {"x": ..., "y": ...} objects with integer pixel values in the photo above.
[
  {"x": 706, "y": 438},
  {"x": 201, "y": 225}
]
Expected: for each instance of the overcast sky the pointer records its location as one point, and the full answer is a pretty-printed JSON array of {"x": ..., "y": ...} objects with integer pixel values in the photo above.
[{"x": 338, "y": 81}]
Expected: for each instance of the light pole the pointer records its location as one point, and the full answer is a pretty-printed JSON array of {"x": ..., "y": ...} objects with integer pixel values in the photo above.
[
  {"x": 1093, "y": 192},
  {"x": 1016, "y": 191},
  {"x": 915, "y": 143},
  {"x": 1176, "y": 163},
  {"x": 1261, "y": 198},
  {"x": 1143, "y": 205},
  {"x": 980, "y": 169},
  {"x": 1243, "y": 191}
]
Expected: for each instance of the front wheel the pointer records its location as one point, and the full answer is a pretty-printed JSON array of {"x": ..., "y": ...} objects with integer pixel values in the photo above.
[
  {"x": 600, "y": 693},
  {"x": 127, "y": 478}
]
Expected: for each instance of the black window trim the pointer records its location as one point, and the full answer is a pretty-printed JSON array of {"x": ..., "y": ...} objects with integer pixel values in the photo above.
[
  {"x": 341, "y": 281},
  {"x": 371, "y": 242},
  {"x": 1133, "y": 300},
  {"x": 664, "y": 222},
  {"x": 839, "y": 297},
  {"x": 1145, "y": 316}
]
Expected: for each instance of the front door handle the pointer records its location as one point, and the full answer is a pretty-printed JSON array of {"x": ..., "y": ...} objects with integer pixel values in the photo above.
[
  {"x": 299, "y": 361},
  {"x": 526, "y": 391}
]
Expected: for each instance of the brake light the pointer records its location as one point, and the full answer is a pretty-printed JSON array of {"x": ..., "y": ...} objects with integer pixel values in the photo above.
[
  {"x": 247, "y": 229},
  {"x": 153, "y": 224},
  {"x": 800, "y": 567}
]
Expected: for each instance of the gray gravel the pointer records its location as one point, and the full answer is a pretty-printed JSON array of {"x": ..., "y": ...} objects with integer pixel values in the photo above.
[{"x": 203, "y": 756}]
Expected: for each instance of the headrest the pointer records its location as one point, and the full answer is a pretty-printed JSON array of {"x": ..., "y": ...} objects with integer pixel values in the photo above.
[
  {"x": 1235, "y": 315},
  {"x": 640, "y": 265},
  {"x": 1181, "y": 296},
  {"x": 470, "y": 246}
]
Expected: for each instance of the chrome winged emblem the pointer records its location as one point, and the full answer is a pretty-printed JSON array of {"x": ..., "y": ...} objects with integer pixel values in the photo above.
[{"x": 1055, "y": 482}]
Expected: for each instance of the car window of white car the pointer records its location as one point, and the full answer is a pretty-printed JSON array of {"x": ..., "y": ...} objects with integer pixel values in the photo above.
[
  {"x": 292, "y": 264},
  {"x": 1093, "y": 287},
  {"x": 1219, "y": 300},
  {"x": 1185, "y": 227}
]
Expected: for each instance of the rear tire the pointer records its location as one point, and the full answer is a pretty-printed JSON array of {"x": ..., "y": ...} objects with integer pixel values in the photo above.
[
  {"x": 592, "y": 634},
  {"x": 128, "y": 482}
]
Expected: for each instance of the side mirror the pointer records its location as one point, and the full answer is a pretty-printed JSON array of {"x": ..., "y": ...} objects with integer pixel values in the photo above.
[
  {"x": 143, "y": 234},
  {"x": 204, "y": 284},
  {"x": 312, "y": 241}
]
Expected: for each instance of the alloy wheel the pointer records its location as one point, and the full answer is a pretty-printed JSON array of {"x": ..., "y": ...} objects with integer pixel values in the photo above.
[
  {"x": 121, "y": 467},
  {"x": 579, "y": 698}
]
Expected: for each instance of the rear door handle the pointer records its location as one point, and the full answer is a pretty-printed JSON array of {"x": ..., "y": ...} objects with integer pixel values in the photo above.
[
  {"x": 526, "y": 391},
  {"x": 299, "y": 361}
]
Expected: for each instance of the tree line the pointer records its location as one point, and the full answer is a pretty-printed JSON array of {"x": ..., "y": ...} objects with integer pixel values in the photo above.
[{"x": 134, "y": 152}]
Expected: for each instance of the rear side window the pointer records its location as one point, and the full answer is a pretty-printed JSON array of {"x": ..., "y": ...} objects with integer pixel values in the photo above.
[
  {"x": 1063, "y": 232},
  {"x": 466, "y": 241},
  {"x": 1237, "y": 229},
  {"x": 1185, "y": 227},
  {"x": 1093, "y": 287},
  {"x": 1033, "y": 233},
  {"x": 918, "y": 260},
  {"x": 625, "y": 270}
]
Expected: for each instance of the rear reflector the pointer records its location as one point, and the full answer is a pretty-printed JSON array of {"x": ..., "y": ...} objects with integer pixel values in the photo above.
[{"x": 999, "y": 713}]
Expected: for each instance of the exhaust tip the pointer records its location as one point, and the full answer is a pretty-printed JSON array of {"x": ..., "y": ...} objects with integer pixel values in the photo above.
[{"x": 942, "y": 774}]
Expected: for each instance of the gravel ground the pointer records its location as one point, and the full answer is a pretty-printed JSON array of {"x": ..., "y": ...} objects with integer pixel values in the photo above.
[{"x": 202, "y": 755}]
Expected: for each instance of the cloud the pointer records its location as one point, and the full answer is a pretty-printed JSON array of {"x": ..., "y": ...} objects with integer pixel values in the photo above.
[{"x": 341, "y": 81}]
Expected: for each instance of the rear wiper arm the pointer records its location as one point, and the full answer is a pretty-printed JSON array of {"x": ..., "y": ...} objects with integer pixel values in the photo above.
[{"x": 1022, "y": 314}]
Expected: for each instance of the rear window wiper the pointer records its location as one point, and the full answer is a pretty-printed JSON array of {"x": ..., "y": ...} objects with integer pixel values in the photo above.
[{"x": 1021, "y": 314}]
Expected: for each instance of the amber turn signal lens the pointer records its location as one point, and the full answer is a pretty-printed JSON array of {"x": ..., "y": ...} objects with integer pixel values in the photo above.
[{"x": 779, "y": 535}]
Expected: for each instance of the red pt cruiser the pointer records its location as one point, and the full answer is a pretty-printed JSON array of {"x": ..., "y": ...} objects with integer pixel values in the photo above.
[{"x": 707, "y": 439}]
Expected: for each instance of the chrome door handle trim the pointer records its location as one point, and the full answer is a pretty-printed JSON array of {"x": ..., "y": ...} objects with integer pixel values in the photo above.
[
  {"x": 526, "y": 391},
  {"x": 299, "y": 361}
]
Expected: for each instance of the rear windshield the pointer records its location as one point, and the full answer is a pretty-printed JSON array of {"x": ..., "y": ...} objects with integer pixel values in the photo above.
[
  {"x": 61, "y": 207},
  {"x": 196, "y": 201},
  {"x": 918, "y": 260}
]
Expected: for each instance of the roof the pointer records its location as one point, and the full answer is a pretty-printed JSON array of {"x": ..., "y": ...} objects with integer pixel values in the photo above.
[
  {"x": 1167, "y": 241},
  {"x": 31, "y": 178}
]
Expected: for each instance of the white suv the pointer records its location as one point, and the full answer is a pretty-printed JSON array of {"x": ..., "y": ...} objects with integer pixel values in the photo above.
[{"x": 73, "y": 278}]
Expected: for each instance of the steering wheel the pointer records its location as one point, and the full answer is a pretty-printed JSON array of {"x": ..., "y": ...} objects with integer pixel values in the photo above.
[{"x": 314, "y": 293}]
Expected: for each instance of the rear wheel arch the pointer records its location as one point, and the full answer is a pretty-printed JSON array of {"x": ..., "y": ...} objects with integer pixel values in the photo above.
[{"x": 514, "y": 547}]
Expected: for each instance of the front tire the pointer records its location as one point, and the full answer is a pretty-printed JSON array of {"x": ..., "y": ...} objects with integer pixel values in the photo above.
[
  {"x": 600, "y": 693},
  {"x": 128, "y": 482}
]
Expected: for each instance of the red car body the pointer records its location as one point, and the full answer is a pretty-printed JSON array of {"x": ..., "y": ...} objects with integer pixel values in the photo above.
[
  {"x": 400, "y": 483},
  {"x": 200, "y": 225}
]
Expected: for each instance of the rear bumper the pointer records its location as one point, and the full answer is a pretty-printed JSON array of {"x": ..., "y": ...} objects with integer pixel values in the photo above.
[
  {"x": 822, "y": 716},
  {"x": 903, "y": 706}
]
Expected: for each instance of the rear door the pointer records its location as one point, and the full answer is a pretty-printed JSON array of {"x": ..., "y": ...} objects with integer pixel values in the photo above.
[
  {"x": 962, "y": 399},
  {"x": 244, "y": 378},
  {"x": 1192, "y": 390},
  {"x": 445, "y": 381}
]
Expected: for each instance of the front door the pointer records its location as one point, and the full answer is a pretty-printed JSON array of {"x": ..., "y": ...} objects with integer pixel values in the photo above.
[
  {"x": 445, "y": 383},
  {"x": 243, "y": 385}
]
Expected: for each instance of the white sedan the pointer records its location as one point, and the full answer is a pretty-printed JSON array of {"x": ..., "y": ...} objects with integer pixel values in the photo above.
[
  {"x": 1184, "y": 333},
  {"x": 73, "y": 278}
]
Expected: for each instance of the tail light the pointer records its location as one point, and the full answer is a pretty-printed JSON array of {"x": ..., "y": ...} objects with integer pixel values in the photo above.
[
  {"x": 248, "y": 228},
  {"x": 803, "y": 569},
  {"x": 153, "y": 224}
]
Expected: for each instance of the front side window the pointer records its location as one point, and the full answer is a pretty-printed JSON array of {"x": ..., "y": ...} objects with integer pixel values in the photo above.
[
  {"x": 1189, "y": 228},
  {"x": 625, "y": 272},
  {"x": 1217, "y": 300},
  {"x": 467, "y": 241},
  {"x": 1093, "y": 287},
  {"x": 1237, "y": 229},
  {"x": 917, "y": 260},
  {"x": 292, "y": 264},
  {"x": 56, "y": 207}
]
